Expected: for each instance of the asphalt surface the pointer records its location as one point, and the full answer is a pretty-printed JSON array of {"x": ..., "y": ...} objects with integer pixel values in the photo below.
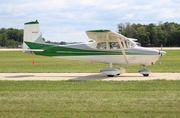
[{"x": 87, "y": 76}]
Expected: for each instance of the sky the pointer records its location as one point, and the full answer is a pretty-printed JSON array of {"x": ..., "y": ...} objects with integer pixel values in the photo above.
[{"x": 67, "y": 20}]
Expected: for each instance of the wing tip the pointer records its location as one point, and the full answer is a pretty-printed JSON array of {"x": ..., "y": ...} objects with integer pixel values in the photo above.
[{"x": 98, "y": 31}]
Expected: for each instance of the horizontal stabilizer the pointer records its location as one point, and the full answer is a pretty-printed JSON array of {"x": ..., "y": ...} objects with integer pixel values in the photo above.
[{"x": 34, "y": 50}]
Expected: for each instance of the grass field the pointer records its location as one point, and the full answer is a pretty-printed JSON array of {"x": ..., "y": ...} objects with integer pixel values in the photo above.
[
  {"x": 90, "y": 99},
  {"x": 17, "y": 61},
  {"x": 86, "y": 99}
]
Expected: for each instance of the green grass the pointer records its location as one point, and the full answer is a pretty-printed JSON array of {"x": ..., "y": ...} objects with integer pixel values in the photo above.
[
  {"x": 79, "y": 99},
  {"x": 87, "y": 99},
  {"x": 17, "y": 61}
]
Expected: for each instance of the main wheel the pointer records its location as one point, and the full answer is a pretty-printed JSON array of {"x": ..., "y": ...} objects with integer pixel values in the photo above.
[
  {"x": 145, "y": 75},
  {"x": 110, "y": 75}
]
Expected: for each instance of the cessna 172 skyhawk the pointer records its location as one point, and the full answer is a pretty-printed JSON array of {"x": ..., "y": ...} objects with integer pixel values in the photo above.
[{"x": 108, "y": 47}]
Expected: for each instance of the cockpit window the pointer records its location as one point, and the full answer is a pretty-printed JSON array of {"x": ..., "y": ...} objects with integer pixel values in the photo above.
[{"x": 115, "y": 45}]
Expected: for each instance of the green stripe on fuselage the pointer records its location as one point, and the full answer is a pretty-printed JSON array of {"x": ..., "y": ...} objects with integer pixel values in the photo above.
[
  {"x": 56, "y": 50},
  {"x": 53, "y": 50}
]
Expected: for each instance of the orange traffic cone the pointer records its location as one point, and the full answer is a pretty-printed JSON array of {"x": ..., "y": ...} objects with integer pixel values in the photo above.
[{"x": 33, "y": 62}]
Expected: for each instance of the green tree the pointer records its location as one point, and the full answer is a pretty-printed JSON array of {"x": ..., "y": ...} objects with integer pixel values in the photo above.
[
  {"x": 62, "y": 43},
  {"x": 143, "y": 36},
  {"x": 11, "y": 37},
  {"x": 152, "y": 34},
  {"x": 2, "y": 30},
  {"x": 3, "y": 39},
  {"x": 121, "y": 28}
]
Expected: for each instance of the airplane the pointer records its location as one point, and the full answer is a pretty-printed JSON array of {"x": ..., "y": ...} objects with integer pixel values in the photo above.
[{"x": 108, "y": 47}]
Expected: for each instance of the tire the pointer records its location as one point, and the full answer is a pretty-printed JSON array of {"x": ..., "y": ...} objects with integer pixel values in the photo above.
[
  {"x": 110, "y": 75},
  {"x": 145, "y": 75}
]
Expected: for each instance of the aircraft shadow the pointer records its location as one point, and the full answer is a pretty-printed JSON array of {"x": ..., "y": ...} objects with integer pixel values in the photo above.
[
  {"x": 97, "y": 76},
  {"x": 19, "y": 76},
  {"x": 91, "y": 77},
  {"x": 102, "y": 77},
  {"x": 63, "y": 77}
]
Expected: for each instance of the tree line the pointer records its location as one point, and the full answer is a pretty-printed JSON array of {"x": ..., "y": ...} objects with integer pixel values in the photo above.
[
  {"x": 11, "y": 38},
  {"x": 167, "y": 34}
]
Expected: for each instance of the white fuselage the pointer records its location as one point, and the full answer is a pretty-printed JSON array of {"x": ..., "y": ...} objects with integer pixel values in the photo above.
[{"x": 144, "y": 59}]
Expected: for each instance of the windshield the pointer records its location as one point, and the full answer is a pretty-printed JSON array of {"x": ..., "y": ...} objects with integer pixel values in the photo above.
[{"x": 133, "y": 44}]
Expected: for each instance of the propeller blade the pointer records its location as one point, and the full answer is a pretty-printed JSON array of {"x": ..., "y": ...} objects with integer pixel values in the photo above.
[
  {"x": 161, "y": 53},
  {"x": 160, "y": 58}
]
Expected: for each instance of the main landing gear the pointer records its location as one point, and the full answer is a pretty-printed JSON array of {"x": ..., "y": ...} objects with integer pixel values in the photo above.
[
  {"x": 111, "y": 72},
  {"x": 144, "y": 71}
]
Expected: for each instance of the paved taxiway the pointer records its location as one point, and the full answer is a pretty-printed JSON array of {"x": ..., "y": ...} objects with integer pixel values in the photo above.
[{"x": 86, "y": 76}]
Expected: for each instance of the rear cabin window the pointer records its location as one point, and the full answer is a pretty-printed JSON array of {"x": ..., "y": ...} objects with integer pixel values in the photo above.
[{"x": 101, "y": 45}]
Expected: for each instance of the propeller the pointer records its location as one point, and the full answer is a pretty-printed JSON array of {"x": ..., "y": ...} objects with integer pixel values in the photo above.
[{"x": 161, "y": 53}]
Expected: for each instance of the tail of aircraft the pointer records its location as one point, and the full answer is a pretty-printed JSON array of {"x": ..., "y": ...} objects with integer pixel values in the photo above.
[{"x": 32, "y": 33}]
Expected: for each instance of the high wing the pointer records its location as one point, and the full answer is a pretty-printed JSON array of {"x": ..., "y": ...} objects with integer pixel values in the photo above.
[
  {"x": 108, "y": 36},
  {"x": 104, "y": 35}
]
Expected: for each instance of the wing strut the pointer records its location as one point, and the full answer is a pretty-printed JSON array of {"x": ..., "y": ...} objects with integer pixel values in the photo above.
[{"x": 122, "y": 49}]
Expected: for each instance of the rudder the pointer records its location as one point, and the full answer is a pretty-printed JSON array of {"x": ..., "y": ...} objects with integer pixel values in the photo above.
[{"x": 32, "y": 33}]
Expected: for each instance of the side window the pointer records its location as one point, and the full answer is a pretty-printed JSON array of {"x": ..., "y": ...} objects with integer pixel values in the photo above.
[
  {"x": 133, "y": 45},
  {"x": 114, "y": 45},
  {"x": 101, "y": 45},
  {"x": 130, "y": 44},
  {"x": 127, "y": 44}
]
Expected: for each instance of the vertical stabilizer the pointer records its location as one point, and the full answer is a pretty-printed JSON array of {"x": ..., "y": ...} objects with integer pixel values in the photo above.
[{"x": 32, "y": 33}]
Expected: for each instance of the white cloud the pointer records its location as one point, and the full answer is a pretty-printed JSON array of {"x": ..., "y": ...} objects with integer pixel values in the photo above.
[
  {"x": 177, "y": 1},
  {"x": 67, "y": 19}
]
